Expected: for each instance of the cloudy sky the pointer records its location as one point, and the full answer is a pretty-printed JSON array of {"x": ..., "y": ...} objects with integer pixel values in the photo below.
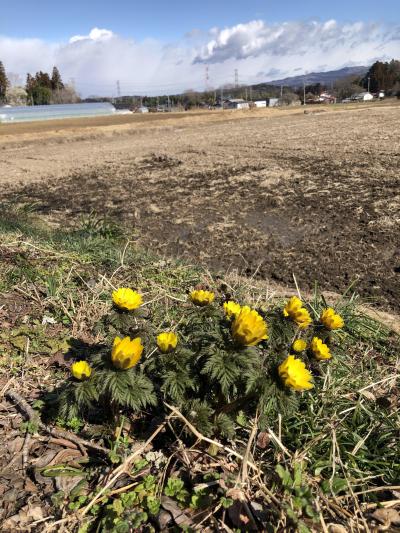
[{"x": 166, "y": 47}]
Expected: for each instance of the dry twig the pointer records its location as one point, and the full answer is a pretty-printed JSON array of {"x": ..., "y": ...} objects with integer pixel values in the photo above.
[{"x": 32, "y": 415}]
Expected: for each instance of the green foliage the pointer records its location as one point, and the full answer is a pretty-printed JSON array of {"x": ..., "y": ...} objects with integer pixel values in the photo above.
[
  {"x": 299, "y": 492},
  {"x": 175, "y": 488},
  {"x": 4, "y": 83}
]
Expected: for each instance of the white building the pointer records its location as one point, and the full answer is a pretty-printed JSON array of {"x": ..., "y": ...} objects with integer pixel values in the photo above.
[
  {"x": 260, "y": 103},
  {"x": 362, "y": 97},
  {"x": 273, "y": 102}
]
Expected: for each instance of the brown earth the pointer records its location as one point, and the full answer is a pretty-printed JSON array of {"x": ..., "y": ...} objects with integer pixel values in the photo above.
[{"x": 271, "y": 193}]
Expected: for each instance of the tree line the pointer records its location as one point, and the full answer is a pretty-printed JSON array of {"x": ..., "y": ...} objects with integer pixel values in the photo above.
[{"x": 40, "y": 89}]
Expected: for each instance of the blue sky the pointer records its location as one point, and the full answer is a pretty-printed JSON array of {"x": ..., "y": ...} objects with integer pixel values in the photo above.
[
  {"x": 164, "y": 47},
  {"x": 169, "y": 20}
]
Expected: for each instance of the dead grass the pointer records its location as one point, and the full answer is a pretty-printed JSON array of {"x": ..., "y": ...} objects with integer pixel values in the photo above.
[{"x": 332, "y": 464}]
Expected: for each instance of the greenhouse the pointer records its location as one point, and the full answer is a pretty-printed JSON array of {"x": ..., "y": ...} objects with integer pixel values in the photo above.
[{"x": 59, "y": 111}]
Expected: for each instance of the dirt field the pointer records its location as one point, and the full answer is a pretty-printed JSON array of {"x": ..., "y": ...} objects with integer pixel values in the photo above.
[{"x": 271, "y": 193}]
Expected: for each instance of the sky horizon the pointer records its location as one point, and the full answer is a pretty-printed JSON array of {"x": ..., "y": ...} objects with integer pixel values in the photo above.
[{"x": 167, "y": 48}]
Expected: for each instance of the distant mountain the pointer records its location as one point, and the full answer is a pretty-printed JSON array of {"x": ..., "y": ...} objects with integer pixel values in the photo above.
[{"x": 324, "y": 78}]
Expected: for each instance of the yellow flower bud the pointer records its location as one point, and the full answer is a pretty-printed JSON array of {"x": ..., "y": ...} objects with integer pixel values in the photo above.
[
  {"x": 299, "y": 345},
  {"x": 331, "y": 320},
  {"x": 232, "y": 309},
  {"x": 167, "y": 341},
  {"x": 249, "y": 328},
  {"x": 202, "y": 298},
  {"x": 126, "y": 353},
  {"x": 81, "y": 370},
  {"x": 294, "y": 374},
  {"x": 127, "y": 299},
  {"x": 319, "y": 349}
]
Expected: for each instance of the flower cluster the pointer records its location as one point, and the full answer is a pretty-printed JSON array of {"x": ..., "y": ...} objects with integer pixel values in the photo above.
[
  {"x": 294, "y": 309},
  {"x": 219, "y": 353}
]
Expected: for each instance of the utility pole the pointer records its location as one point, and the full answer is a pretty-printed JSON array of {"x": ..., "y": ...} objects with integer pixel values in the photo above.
[
  {"x": 118, "y": 89},
  {"x": 304, "y": 92},
  {"x": 236, "y": 78},
  {"x": 369, "y": 79},
  {"x": 222, "y": 97},
  {"x": 251, "y": 92},
  {"x": 169, "y": 109},
  {"x": 281, "y": 93}
]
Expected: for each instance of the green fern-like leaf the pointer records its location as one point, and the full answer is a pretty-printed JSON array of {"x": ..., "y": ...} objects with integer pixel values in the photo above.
[
  {"x": 200, "y": 414},
  {"x": 225, "y": 426},
  {"x": 126, "y": 388}
]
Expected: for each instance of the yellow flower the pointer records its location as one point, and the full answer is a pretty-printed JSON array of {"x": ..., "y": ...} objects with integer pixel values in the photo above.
[
  {"x": 299, "y": 345},
  {"x": 319, "y": 349},
  {"x": 249, "y": 328},
  {"x": 202, "y": 298},
  {"x": 297, "y": 313},
  {"x": 127, "y": 299},
  {"x": 167, "y": 341},
  {"x": 331, "y": 320},
  {"x": 302, "y": 318},
  {"x": 294, "y": 374},
  {"x": 232, "y": 309},
  {"x": 81, "y": 370},
  {"x": 292, "y": 306},
  {"x": 126, "y": 352}
]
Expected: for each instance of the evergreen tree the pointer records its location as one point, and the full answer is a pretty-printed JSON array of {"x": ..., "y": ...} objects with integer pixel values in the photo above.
[
  {"x": 4, "y": 83},
  {"x": 382, "y": 76},
  {"x": 29, "y": 87},
  {"x": 43, "y": 79},
  {"x": 56, "y": 81}
]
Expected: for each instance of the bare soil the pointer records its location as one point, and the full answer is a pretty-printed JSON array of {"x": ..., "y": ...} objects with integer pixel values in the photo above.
[{"x": 270, "y": 193}]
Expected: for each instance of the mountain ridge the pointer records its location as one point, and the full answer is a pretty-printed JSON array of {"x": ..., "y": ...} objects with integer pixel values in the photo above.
[{"x": 325, "y": 78}]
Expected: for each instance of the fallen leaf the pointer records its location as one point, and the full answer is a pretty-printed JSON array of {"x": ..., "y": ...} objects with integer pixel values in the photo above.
[
  {"x": 336, "y": 528},
  {"x": 263, "y": 440},
  {"x": 387, "y": 516}
]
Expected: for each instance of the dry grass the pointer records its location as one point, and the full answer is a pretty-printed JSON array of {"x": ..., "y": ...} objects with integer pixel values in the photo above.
[{"x": 337, "y": 456}]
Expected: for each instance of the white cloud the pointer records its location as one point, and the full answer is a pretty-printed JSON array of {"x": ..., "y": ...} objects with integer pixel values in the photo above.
[
  {"x": 257, "y": 38},
  {"x": 96, "y": 34},
  {"x": 260, "y": 51}
]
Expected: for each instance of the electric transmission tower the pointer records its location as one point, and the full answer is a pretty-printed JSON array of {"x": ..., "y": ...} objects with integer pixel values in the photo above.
[{"x": 236, "y": 78}]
